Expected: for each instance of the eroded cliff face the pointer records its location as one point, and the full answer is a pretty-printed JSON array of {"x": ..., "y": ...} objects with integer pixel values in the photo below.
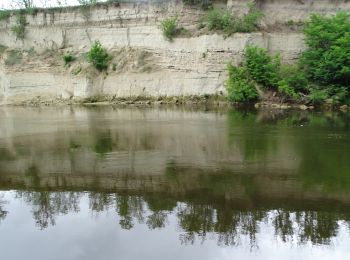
[{"x": 193, "y": 64}]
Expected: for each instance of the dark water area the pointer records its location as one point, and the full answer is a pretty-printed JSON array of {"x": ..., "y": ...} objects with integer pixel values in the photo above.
[{"x": 173, "y": 183}]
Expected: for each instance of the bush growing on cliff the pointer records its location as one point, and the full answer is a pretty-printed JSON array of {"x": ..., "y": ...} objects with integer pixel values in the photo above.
[
  {"x": 169, "y": 28},
  {"x": 262, "y": 67},
  {"x": 326, "y": 61},
  {"x": 223, "y": 20},
  {"x": 98, "y": 56},
  {"x": 239, "y": 86},
  {"x": 68, "y": 58},
  {"x": 259, "y": 68}
]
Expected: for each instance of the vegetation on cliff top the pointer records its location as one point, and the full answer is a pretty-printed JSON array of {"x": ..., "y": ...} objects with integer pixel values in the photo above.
[{"x": 322, "y": 72}]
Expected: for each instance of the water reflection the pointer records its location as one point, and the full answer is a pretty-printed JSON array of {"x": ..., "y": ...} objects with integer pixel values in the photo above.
[
  {"x": 225, "y": 222},
  {"x": 219, "y": 175},
  {"x": 3, "y": 212}
]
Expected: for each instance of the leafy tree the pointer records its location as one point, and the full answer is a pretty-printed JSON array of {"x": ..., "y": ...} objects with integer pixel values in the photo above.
[
  {"x": 326, "y": 60},
  {"x": 262, "y": 67},
  {"x": 239, "y": 86}
]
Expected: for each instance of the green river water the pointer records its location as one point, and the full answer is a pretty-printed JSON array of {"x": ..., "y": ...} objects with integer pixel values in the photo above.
[{"x": 106, "y": 183}]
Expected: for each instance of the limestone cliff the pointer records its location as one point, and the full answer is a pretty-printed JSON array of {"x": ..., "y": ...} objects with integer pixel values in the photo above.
[{"x": 144, "y": 63}]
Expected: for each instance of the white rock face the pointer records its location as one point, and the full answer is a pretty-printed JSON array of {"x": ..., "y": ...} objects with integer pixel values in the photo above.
[{"x": 187, "y": 66}]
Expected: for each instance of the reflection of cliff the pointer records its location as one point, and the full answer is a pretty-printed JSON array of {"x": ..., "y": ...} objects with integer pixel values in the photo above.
[{"x": 230, "y": 154}]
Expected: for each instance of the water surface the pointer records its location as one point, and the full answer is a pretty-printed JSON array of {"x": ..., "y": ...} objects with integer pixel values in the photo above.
[{"x": 173, "y": 183}]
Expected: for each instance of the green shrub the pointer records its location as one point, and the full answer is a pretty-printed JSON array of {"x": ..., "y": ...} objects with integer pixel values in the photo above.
[
  {"x": 238, "y": 85},
  {"x": 249, "y": 22},
  {"x": 220, "y": 20},
  {"x": 292, "y": 81},
  {"x": 259, "y": 67},
  {"x": 5, "y": 14},
  {"x": 287, "y": 90},
  {"x": 262, "y": 68},
  {"x": 169, "y": 28},
  {"x": 98, "y": 56},
  {"x": 339, "y": 94},
  {"x": 20, "y": 27},
  {"x": 318, "y": 96},
  {"x": 293, "y": 76},
  {"x": 326, "y": 61},
  {"x": 68, "y": 58},
  {"x": 223, "y": 20}
]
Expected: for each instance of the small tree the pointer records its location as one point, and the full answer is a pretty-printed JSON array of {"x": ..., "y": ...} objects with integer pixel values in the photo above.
[
  {"x": 169, "y": 27},
  {"x": 98, "y": 56},
  {"x": 326, "y": 60},
  {"x": 262, "y": 67}
]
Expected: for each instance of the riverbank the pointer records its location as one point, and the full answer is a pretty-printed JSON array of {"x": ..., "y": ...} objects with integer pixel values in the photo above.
[{"x": 192, "y": 102}]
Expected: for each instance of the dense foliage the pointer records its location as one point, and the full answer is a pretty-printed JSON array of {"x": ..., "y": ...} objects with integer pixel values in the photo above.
[
  {"x": 262, "y": 67},
  {"x": 239, "y": 86},
  {"x": 326, "y": 61},
  {"x": 68, "y": 58},
  {"x": 98, "y": 56},
  {"x": 323, "y": 71}
]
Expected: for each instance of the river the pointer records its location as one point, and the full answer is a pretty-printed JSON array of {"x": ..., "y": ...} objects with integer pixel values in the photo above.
[{"x": 108, "y": 182}]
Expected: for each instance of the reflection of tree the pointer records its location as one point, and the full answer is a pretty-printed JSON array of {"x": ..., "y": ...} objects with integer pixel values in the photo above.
[
  {"x": 283, "y": 225},
  {"x": 317, "y": 227},
  {"x": 99, "y": 201},
  {"x": 32, "y": 173},
  {"x": 103, "y": 142},
  {"x": 197, "y": 220},
  {"x": 129, "y": 208},
  {"x": 3, "y": 213},
  {"x": 324, "y": 153},
  {"x": 253, "y": 137},
  {"x": 160, "y": 208},
  {"x": 47, "y": 205},
  {"x": 320, "y": 142}
]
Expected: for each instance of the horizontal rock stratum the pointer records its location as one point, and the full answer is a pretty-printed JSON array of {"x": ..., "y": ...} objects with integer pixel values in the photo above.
[{"x": 145, "y": 63}]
